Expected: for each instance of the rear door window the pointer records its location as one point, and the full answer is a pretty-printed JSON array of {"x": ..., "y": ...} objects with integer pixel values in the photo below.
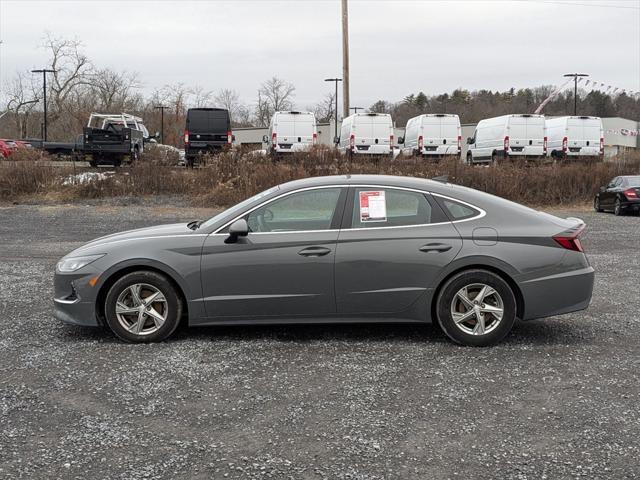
[{"x": 389, "y": 207}]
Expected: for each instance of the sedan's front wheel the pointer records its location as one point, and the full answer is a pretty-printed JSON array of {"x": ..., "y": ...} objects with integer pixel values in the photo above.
[
  {"x": 476, "y": 308},
  {"x": 143, "y": 307}
]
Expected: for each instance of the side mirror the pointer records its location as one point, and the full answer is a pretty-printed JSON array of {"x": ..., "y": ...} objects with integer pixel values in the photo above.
[
  {"x": 469, "y": 141},
  {"x": 336, "y": 140},
  {"x": 265, "y": 139},
  {"x": 239, "y": 228},
  {"x": 400, "y": 140}
]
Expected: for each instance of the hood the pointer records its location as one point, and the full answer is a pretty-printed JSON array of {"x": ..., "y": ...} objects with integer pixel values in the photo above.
[{"x": 148, "y": 232}]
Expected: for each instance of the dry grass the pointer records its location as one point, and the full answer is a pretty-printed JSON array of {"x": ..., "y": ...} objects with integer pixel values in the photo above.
[{"x": 230, "y": 177}]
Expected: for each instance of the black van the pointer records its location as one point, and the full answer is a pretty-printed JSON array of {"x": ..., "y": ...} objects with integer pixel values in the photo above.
[{"x": 208, "y": 130}]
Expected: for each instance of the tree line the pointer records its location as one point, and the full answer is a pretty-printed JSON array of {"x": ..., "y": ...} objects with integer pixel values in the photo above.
[{"x": 79, "y": 87}]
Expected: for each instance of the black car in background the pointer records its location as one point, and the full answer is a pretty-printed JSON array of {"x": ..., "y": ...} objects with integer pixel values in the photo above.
[
  {"x": 621, "y": 195},
  {"x": 208, "y": 130}
]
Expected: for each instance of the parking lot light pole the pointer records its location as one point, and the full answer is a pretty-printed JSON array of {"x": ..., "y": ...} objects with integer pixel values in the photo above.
[
  {"x": 162, "y": 108},
  {"x": 355, "y": 109},
  {"x": 44, "y": 72},
  {"x": 575, "y": 89},
  {"x": 335, "y": 80}
]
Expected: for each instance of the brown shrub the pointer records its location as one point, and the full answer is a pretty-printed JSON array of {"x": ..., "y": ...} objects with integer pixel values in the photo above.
[{"x": 229, "y": 177}]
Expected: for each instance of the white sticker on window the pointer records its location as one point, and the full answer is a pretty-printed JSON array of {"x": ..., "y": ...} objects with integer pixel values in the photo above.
[{"x": 373, "y": 206}]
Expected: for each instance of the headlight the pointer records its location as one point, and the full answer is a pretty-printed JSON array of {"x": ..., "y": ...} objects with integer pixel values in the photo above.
[{"x": 67, "y": 265}]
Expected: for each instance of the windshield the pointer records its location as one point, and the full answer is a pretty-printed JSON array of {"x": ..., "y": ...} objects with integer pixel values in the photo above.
[{"x": 238, "y": 207}]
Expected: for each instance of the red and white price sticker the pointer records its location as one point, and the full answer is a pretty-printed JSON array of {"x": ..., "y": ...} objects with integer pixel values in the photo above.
[{"x": 373, "y": 206}]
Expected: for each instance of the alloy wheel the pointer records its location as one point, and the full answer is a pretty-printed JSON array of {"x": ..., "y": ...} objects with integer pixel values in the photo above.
[
  {"x": 477, "y": 309},
  {"x": 141, "y": 309}
]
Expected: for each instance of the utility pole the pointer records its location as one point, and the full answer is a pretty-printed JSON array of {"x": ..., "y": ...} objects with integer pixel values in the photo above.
[
  {"x": 162, "y": 108},
  {"x": 345, "y": 58},
  {"x": 44, "y": 72},
  {"x": 355, "y": 109},
  {"x": 335, "y": 119},
  {"x": 575, "y": 89}
]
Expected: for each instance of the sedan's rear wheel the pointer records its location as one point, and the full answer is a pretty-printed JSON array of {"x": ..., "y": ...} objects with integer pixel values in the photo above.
[
  {"x": 142, "y": 307},
  {"x": 476, "y": 308}
]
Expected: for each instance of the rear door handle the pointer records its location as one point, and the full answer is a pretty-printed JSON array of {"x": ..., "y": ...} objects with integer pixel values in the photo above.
[
  {"x": 435, "y": 247},
  {"x": 314, "y": 251}
]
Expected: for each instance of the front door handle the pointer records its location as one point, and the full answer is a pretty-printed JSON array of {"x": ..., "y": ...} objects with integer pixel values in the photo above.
[
  {"x": 314, "y": 251},
  {"x": 435, "y": 247}
]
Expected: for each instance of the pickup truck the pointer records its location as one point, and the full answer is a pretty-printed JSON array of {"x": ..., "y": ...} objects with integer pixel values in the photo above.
[
  {"x": 112, "y": 138},
  {"x": 107, "y": 139}
]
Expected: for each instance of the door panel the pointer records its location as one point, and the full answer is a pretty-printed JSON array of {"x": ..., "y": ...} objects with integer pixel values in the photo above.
[
  {"x": 284, "y": 267},
  {"x": 267, "y": 274},
  {"x": 387, "y": 269}
]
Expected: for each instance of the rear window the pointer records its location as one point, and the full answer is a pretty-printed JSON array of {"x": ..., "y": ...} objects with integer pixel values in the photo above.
[
  {"x": 208, "y": 121},
  {"x": 388, "y": 207},
  {"x": 458, "y": 211}
]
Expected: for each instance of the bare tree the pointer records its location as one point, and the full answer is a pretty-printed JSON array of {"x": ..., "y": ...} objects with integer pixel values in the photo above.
[
  {"x": 115, "y": 91},
  {"x": 201, "y": 97},
  {"x": 325, "y": 109},
  {"x": 230, "y": 99},
  {"x": 275, "y": 94},
  {"x": 22, "y": 96}
]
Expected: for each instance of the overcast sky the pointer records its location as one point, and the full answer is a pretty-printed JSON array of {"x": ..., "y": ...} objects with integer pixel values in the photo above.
[{"x": 397, "y": 46}]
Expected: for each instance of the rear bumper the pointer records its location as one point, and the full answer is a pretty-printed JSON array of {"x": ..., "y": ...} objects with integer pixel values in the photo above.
[
  {"x": 440, "y": 151},
  {"x": 557, "y": 294},
  {"x": 108, "y": 149},
  {"x": 192, "y": 151},
  {"x": 527, "y": 152},
  {"x": 373, "y": 150},
  {"x": 631, "y": 205}
]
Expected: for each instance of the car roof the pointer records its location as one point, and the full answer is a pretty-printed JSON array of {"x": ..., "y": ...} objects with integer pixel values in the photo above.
[{"x": 390, "y": 180}]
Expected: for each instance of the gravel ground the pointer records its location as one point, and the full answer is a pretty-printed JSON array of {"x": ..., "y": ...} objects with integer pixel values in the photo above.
[{"x": 558, "y": 399}]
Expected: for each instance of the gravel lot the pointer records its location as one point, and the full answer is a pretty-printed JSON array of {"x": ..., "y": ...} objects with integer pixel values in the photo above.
[{"x": 558, "y": 399}]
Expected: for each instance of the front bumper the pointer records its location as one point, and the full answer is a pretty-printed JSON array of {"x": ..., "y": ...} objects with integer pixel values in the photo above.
[
  {"x": 557, "y": 294},
  {"x": 74, "y": 298}
]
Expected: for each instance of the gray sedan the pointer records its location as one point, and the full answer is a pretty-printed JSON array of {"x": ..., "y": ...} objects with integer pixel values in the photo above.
[{"x": 358, "y": 248}]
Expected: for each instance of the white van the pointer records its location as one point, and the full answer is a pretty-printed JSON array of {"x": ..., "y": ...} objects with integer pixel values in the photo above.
[
  {"x": 366, "y": 134},
  {"x": 508, "y": 136},
  {"x": 575, "y": 137},
  {"x": 433, "y": 135},
  {"x": 291, "y": 132}
]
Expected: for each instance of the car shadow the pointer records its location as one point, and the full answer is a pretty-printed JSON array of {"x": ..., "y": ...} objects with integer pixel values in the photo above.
[{"x": 530, "y": 333}]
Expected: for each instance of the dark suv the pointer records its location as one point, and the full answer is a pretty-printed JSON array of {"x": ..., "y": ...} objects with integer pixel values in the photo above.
[{"x": 208, "y": 130}]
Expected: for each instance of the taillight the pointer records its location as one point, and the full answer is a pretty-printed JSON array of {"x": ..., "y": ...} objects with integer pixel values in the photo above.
[
  {"x": 564, "y": 145},
  {"x": 186, "y": 136},
  {"x": 420, "y": 142},
  {"x": 459, "y": 143},
  {"x": 544, "y": 145},
  {"x": 352, "y": 141},
  {"x": 601, "y": 146},
  {"x": 229, "y": 137},
  {"x": 274, "y": 139},
  {"x": 631, "y": 193},
  {"x": 506, "y": 143},
  {"x": 315, "y": 138},
  {"x": 569, "y": 239}
]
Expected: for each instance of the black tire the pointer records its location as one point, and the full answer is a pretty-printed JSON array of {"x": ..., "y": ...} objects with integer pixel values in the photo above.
[
  {"x": 173, "y": 307},
  {"x": 93, "y": 163},
  {"x": 469, "y": 159},
  {"x": 472, "y": 278},
  {"x": 596, "y": 205},
  {"x": 494, "y": 158},
  {"x": 617, "y": 208}
]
